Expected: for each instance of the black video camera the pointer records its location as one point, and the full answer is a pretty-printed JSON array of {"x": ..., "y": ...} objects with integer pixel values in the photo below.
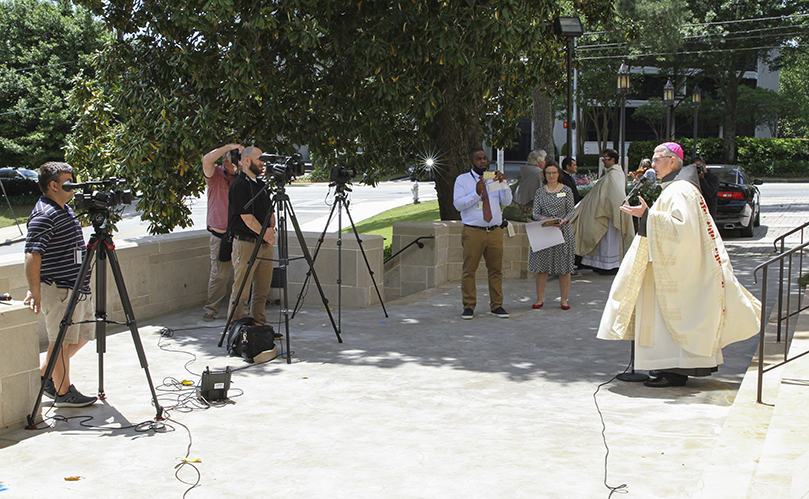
[
  {"x": 340, "y": 175},
  {"x": 99, "y": 199},
  {"x": 281, "y": 169}
]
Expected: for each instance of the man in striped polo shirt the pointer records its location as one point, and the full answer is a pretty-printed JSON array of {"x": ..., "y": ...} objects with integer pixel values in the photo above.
[{"x": 54, "y": 251}]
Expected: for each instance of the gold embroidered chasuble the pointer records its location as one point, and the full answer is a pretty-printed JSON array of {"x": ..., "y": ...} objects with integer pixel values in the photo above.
[{"x": 681, "y": 272}]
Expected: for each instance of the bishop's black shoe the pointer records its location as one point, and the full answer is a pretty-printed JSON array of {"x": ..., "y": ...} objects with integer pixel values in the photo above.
[{"x": 666, "y": 380}]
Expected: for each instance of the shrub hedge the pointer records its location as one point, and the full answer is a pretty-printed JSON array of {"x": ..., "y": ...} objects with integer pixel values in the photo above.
[{"x": 761, "y": 157}]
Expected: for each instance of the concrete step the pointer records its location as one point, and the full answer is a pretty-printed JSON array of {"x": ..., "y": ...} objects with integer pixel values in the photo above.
[
  {"x": 743, "y": 463},
  {"x": 783, "y": 469}
]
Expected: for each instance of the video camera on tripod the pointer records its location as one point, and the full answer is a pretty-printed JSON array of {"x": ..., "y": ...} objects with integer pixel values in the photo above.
[
  {"x": 282, "y": 169},
  {"x": 341, "y": 175},
  {"x": 99, "y": 199}
]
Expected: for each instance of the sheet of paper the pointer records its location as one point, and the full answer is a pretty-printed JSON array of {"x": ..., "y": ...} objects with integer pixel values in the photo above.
[
  {"x": 497, "y": 186},
  {"x": 543, "y": 237}
]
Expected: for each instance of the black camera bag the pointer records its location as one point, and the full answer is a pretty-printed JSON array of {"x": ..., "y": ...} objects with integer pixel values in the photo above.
[{"x": 247, "y": 338}]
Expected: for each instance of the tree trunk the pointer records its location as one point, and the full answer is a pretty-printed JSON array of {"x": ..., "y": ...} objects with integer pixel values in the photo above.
[
  {"x": 582, "y": 124},
  {"x": 454, "y": 132},
  {"x": 543, "y": 123},
  {"x": 731, "y": 113}
]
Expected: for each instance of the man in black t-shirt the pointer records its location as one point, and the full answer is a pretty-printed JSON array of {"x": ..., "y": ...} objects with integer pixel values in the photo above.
[{"x": 245, "y": 225}]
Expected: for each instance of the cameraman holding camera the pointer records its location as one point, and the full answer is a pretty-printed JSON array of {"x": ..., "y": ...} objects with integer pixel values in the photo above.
[
  {"x": 54, "y": 252},
  {"x": 245, "y": 225},
  {"x": 708, "y": 184},
  {"x": 218, "y": 179}
]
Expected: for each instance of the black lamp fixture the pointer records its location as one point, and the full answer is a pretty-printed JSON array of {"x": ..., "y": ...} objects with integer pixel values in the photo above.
[
  {"x": 696, "y": 100},
  {"x": 623, "y": 90},
  {"x": 668, "y": 100},
  {"x": 570, "y": 28}
]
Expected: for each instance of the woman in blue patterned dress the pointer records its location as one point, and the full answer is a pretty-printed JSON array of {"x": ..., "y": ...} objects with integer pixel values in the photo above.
[{"x": 554, "y": 200}]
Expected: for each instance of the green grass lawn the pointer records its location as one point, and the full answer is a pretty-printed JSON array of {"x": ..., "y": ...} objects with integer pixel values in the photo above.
[
  {"x": 382, "y": 224},
  {"x": 22, "y": 212}
]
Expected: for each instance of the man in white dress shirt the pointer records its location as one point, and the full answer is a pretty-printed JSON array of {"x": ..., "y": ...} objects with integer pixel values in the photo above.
[{"x": 479, "y": 200}]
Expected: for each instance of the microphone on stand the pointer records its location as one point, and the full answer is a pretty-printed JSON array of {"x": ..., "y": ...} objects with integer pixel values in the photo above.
[{"x": 647, "y": 177}]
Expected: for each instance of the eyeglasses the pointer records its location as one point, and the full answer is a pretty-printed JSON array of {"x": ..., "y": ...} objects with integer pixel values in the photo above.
[
  {"x": 607, "y": 158},
  {"x": 657, "y": 159}
]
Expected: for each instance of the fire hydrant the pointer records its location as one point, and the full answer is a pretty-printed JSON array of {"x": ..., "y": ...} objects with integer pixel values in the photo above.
[{"x": 415, "y": 191}]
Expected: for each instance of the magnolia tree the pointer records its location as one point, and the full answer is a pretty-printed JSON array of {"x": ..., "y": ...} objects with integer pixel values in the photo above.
[{"x": 373, "y": 85}]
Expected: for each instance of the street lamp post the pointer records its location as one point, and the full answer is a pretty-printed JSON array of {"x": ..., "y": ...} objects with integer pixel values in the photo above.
[
  {"x": 696, "y": 99},
  {"x": 668, "y": 100},
  {"x": 570, "y": 28},
  {"x": 623, "y": 90}
]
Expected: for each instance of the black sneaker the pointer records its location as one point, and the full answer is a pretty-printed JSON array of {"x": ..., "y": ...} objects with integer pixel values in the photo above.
[
  {"x": 73, "y": 399},
  {"x": 50, "y": 388},
  {"x": 468, "y": 313},
  {"x": 500, "y": 312}
]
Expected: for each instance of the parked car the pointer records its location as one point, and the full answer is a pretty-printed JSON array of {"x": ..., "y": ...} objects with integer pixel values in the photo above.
[
  {"x": 738, "y": 204},
  {"x": 19, "y": 181},
  {"x": 421, "y": 173}
]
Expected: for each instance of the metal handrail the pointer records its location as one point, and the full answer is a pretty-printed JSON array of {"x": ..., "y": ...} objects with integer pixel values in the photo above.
[
  {"x": 780, "y": 259},
  {"x": 782, "y": 239},
  {"x": 784, "y": 236},
  {"x": 415, "y": 241}
]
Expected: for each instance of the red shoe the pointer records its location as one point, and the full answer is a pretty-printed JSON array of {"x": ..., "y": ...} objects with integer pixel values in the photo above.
[
  {"x": 535, "y": 306},
  {"x": 565, "y": 307}
]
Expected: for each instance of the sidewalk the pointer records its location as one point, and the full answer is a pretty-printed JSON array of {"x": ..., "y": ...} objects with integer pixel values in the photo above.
[{"x": 419, "y": 404}]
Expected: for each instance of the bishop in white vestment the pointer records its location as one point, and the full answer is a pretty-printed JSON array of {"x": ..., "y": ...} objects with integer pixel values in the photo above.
[{"x": 675, "y": 294}]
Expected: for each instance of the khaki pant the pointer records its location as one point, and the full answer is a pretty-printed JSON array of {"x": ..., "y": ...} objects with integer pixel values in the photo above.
[
  {"x": 218, "y": 280},
  {"x": 260, "y": 277},
  {"x": 54, "y": 305},
  {"x": 489, "y": 245}
]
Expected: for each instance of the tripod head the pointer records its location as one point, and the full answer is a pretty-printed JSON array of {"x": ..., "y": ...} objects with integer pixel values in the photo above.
[
  {"x": 98, "y": 203},
  {"x": 340, "y": 187}
]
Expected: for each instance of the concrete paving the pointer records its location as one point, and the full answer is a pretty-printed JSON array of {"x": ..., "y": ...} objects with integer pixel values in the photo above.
[{"x": 418, "y": 404}]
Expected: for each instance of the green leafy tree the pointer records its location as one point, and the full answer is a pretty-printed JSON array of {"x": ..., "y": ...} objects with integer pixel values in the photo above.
[
  {"x": 700, "y": 40},
  {"x": 724, "y": 48},
  {"x": 758, "y": 107},
  {"x": 638, "y": 28},
  {"x": 372, "y": 85},
  {"x": 47, "y": 45},
  {"x": 794, "y": 92},
  {"x": 654, "y": 114}
]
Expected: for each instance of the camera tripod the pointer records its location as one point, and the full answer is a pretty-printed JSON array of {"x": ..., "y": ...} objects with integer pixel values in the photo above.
[
  {"x": 340, "y": 202},
  {"x": 5, "y": 195},
  {"x": 102, "y": 248},
  {"x": 280, "y": 202}
]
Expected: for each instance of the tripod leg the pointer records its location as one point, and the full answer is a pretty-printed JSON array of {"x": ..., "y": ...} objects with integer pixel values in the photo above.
[
  {"x": 66, "y": 321},
  {"x": 233, "y": 303},
  {"x": 314, "y": 257},
  {"x": 130, "y": 320},
  {"x": 10, "y": 208},
  {"x": 250, "y": 263},
  {"x": 101, "y": 317},
  {"x": 308, "y": 257},
  {"x": 367, "y": 264}
]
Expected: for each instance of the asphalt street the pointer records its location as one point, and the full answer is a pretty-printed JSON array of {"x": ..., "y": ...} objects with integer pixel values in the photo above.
[{"x": 312, "y": 204}]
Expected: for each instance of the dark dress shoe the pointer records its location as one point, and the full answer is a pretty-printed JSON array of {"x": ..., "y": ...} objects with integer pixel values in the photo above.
[{"x": 665, "y": 380}]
